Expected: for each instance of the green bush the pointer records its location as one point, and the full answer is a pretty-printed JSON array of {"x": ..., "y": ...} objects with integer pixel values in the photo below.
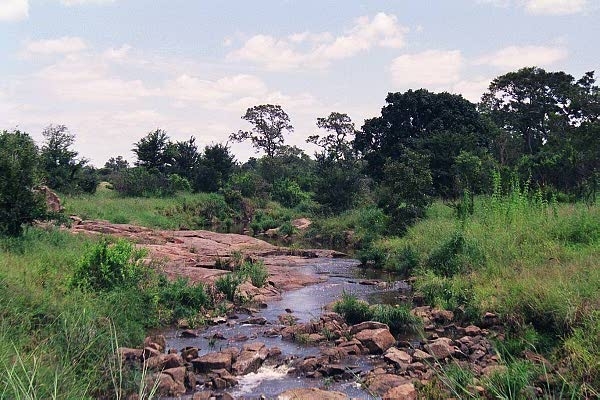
[
  {"x": 256, "y": 271},
  {"x": 448, "y": 293},
  {"x": 510, "y": 383},
  {"x": 108, "y": 266},
  {"x": 407, "y": 260},
  {"x": 140, "y": 182},
  {"x": 228, "y": 284},
  {"x": 288, "y": 193},
  {"x": 398, "y": 318},
  {"x": 180, "y": 299},
  {"x": 454, "y": 256},
  {"x": 352, "y": 309}
]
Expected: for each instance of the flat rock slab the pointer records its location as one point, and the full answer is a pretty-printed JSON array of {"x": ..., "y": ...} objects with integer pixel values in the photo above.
[
  {"x": 312, "y": 394},
  {"x": 194, "y": 254}
]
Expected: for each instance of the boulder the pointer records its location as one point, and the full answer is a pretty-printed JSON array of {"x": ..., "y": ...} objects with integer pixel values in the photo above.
[
  {"x": 376, "y": 341},
  {"x": 472, "y": 330},
  {"x": 164, "y": 361},
  {"x": 354, "y": 329},
  {"x": 382, "y": 383},
  {"x": 406, "y": 391},
  {"x": 212, "y": 361},
  {"x": 311, "y": 393},
  {"x": 250, "y": 359},
  {"x": 165, "y": 385},
  {"x": 398, "y": 357},
  {"x": 159, "y": 342},
  {"x": 126, "y": 354},
  {"x": 441, "y": 348}
]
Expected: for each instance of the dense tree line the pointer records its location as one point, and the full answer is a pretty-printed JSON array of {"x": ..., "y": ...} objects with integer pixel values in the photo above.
[{"x": 531, "y": 125}]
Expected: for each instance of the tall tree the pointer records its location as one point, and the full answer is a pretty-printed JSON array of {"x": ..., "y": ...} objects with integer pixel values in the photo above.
[
  {"x": 58, "y": 161},
  {"x": 438, "y": 125},
  {"x": 185, "y": 158},
  {"x": 270, "y": 123},
  {"x": 337, "y": 144},
  {"x": 19, "y": 204},
  {"x": 154, "y": 151}
]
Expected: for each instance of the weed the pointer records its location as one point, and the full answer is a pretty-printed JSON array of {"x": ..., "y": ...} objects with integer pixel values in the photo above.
[
  {"x": 353, "y": 309},
  {"x": 256, "y": 271},
  {"x": 398, "y": 318},
  {"x": 228, "y": 285}
]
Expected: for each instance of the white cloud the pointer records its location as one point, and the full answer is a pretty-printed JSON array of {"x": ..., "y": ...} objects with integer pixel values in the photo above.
[
  {"x": 70, "y": 3},
  {"x": 63, "y": 45},
  {"x": 471, "y": 90},
  {"x": 556, "y": 7},
  {"x": 544, "y": 7},
  {"x": 14, "y": 10},
  {"x": 427, "y": 69},
  {"x": 192, "y": 89},
  {"x": 319, "y": 50},
  {"x": 513, "y": 57}
]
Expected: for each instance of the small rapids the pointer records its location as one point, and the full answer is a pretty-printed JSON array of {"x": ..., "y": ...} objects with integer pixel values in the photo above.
[{"x": 305, "y": 304}]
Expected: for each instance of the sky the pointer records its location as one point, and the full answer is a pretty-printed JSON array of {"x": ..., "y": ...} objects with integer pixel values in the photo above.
[{"x": 114, "y": 70}]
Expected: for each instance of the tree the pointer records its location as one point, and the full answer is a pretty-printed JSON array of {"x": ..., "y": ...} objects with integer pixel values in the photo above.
[
  {"x": 154, "y": 151},
  {"x": 439, "y": 125},
  {"x": 337, "y": 144},
  {"x": 185, "y": 158},
  {"x": 270, "y": 123},
  {"x": 215, "y": 166},
  {"x": 58, "y": 160},
  {"x": 116, "y": 164},
  {"x": 405, "y": 191},
  {"x": 19, "y": 204}
]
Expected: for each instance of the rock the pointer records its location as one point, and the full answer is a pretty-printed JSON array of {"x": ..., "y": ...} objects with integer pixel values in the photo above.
[
  {"x": 188, "y": 333},
  {"x": 398, "y": 357},
  {"x": 178, "y": 374},
  {"x": 158, "y": 340},
  {"x": 472, "y": 330},
  {"x": 225, "y": 376},
  {"x": 250, "y": 359},
  {"x": 126, "y": 354},
  {"x": 312, "y": 394},
  {"x": 53, "y": 203},
  {"x": 149, "y": 352},
  {"x": 301, "y": 223},
  {"x": 382, "y": 383},
  {"x": 256, "y": 321},
  {"x": 164, "y": 361},
  {"x": 376, "y": 340},
  {"x": 441, "y": 348},
  {"x": 422, "y": 356},
  {"x": 189, "y": 353},
  {"x": 354, "y": 329},
  {"x": 165, "y": 385},
  {"x": 442, "y": 316},
  {"x": 204, "y": 395},
  {"x": 406, "y": 391},
  {"x": 212, "y": 361}
]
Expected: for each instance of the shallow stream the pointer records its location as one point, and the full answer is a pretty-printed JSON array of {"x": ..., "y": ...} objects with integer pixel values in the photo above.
[{"x": 342, "y": 275}]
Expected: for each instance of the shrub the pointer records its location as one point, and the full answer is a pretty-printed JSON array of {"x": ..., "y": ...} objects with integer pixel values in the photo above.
[
  {"x": 371, "y": 255},
  {"x": 398, "y": 318},
  {"x": 228, "y": 284},
  {"x": 407, "y": 260},
  {"x": 256, "y": 271},
  {"x": 288, "y": 193},
  {"x": 18, "y": 203},
  {"x": 139, "y": 182},
  {"x": 510, "y": 383},
  {"x": 352, "y": 309},
  {"x": 108, "y": 266},
  {"x": 447, "y": 293},
  {"x": 454, "y": 256},
  {"x": 179, "y": 183},
  {"x": 180, "y": 299}
]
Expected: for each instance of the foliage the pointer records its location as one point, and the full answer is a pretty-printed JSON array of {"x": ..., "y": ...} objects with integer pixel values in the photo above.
[
  {"x": 352, "y": 309},
  {"x": 141, "y": 182},
  {"x": 154, "y": 151},
  {"x": 337, "y": 145},
  {"x": 19, "y": 204},
  {"x": 269, "y": 122},
  {"x": 397, "y": 317},
  {"x": 288, "y": 193},
  {"x": 438, "y": 126},
  {"x": 404, "y": 193},
  {"x": 454, "y": 256},
  {"x": 510, "y": 383},
  {"x": 109, "y": 266},
  {"x": 228, "y": 284},
  {"x": 256, "y": 271},
  {"x": 61, "y": 169},
  {"x": 213, "y": 168},
  {"x": 180, "y": 299}
]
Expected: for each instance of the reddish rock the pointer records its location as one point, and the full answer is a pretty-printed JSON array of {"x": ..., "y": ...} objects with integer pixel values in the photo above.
[
  {"x": 159, "y": 342},
  {"x": 398, "y": 357},
  {"x": 164, "y": 361},
  {"x": 441, "y": 348},
  {"x": 354, "y": 329},
  {"x": 250, "y": 359},
  {"x": 126, "y": 353},
  {"x": 212, "y": 361},
  {"x": 472, "y": 330},
  {"x": 312, "y": 394},
  {"x": 406, "y": 391},
  {"x": 376, "y": 341},
  {"x": 382, "y": 383},
  {"x": 165, "y": 385}
]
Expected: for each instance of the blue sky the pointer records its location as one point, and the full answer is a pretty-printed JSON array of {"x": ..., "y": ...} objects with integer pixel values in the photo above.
[{"x": 112, "y": 70}]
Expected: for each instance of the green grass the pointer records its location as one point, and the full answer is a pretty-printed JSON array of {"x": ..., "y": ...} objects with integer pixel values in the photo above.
[{"x": 57, "y": 338}]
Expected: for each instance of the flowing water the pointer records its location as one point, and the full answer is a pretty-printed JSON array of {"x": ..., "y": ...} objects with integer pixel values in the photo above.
[{"x": 342, "y": 275}]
